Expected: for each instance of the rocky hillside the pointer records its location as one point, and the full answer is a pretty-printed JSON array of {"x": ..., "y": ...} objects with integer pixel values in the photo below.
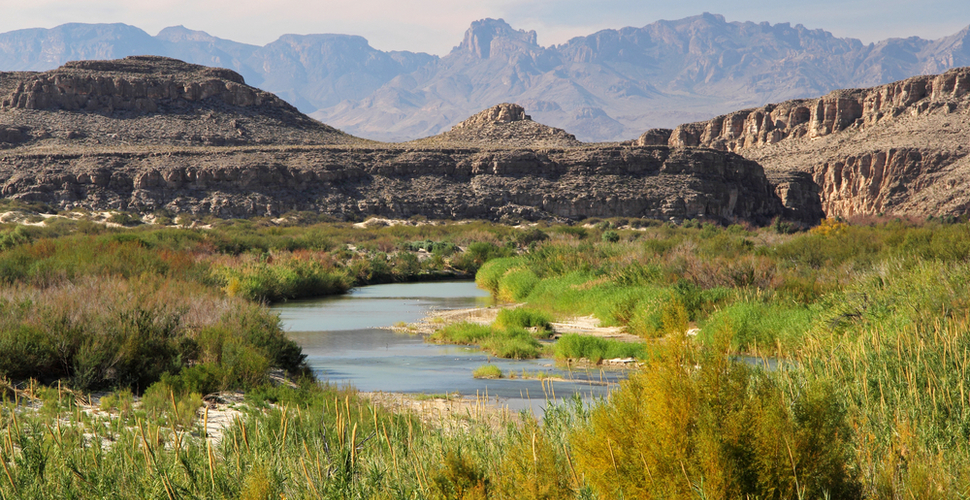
[
  {"x": 128, "y": 134},
  {"x": 895, "y": 149},
  {"x": 147, "y": 101},
  {"x": 503, "y": 126},
  {"x": 610, "y": 85}
]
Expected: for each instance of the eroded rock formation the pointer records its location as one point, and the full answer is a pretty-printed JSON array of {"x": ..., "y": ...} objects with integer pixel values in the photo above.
[
  {"x": 896, "y": 149},
  {"x": 148, "y": 100},
  {"x": 504, "y": 125},
  {"x": 657, "y": 182}
]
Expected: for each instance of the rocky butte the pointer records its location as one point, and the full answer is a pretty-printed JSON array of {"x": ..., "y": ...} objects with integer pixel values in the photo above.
[{"x": 149, "y": 133}]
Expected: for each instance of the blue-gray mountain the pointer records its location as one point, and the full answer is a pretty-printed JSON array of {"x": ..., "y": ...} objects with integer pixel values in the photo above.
[{"x": 610, "y": 85}]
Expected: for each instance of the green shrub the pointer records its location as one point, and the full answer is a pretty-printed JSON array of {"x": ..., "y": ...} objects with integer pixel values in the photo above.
[
  {"x": 720, "y": 430},
  {"x": 513, "y": 343},
  {"x": 523, "y": 317},
  {"x": 461, "y": 333},
  {"x": 459, "y": 476},
  {"x": 291, "y": 279},
  {"x": 578, "y": 232},
  {"x": 121, "y": 401},
  {"x": 596, "y": 349},
  {"x": 435, "y": 247},
  {"x": 490, "y": 274},
  {"x": 516, "y": 284},
  {"x": 530, "y": 236},
  {"x": 533, "y": 466},
  {"x": 759, "y": 325},
  {"x": 124, "y": 218},
  {"x": 487, "y": 371},
  {"x": 13, "y": 237},
  {"x": 406, "y": 266},
  {"x": 481, "y": 252}
]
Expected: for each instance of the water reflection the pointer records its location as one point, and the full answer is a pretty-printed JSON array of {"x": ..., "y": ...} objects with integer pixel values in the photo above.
[{"x": 345, "y": 344}]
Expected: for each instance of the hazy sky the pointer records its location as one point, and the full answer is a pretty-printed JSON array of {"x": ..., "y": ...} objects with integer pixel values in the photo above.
[{"x": 435, "y": 26}]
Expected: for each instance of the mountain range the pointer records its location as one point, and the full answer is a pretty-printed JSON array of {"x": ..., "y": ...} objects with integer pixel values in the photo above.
[{"x": 611, "y": 85}]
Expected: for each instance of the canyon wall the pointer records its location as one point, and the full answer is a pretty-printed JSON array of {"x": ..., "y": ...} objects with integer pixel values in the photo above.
[
  {"x": 868, "y": 151},
  {"x": 350, "y": 183}
]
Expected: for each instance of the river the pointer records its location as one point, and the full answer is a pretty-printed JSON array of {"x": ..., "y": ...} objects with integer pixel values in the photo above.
[{"x": 347, "y": 342}]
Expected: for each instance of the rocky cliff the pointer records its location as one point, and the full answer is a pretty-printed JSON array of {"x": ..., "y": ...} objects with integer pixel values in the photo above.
[
  {"x": 147, "y": 100},
  {"x": 656, "y": 182},
  {"x": 895, "y": 149},
  {"x": 127, "y": 134}
]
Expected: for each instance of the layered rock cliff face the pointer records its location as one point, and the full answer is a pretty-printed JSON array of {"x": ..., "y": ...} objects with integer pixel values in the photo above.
[
  {"x": 147, "y": 133},
  {"x": 103, "y": 86},
  {"x": 148, "y": 100},
  {"x": 896, "y": 149},
  {"x": 657, "y": 182}
]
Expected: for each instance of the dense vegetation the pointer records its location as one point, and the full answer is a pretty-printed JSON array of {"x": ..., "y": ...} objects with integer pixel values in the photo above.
[
  {"x": 102, "y": 307},
  {"x": 869, "y": 325},
  {"x": 867, "y": 328}
]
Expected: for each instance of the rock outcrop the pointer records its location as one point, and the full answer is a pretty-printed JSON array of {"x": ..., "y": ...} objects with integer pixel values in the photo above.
[
  {"x": 138, "y": 83},
  {"x": 504, "y": 125},
  {"x": 158, "y": 100},
  {"x": 146, "y": 133},
  {"x": 897, "y": 149},
  {"x": 656, "y": 182}
]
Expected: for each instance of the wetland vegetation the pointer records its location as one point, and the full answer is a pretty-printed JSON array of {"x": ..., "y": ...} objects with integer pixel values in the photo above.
[{"x": 871, "y": 322}]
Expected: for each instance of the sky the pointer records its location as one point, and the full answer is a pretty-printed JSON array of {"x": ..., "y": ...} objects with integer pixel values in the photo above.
[{"x": 435, "y": 26}]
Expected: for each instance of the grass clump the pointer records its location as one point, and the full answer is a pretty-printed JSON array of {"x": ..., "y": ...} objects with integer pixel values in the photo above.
[
  {"x": 523, "y": 317},
  {"x": 512, "y": 343},
  {"x": 461, "y": 333},
  {"x": 596, "y": 349},
  {"x": 487, "y": 371},
  {"x": 165, "y": 405},
  {"x": 490, "y": 274},
  {"x": 516, "y": 284},
  {"x": 121, "y": 401},
  {"x": 760, "y": 326}
]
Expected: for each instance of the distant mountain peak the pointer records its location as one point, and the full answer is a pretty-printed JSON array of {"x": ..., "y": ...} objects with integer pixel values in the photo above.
[
  {"x": 606, "y": 86},
  {"x": 478, "y": 38},
  {"x": 180, "y": 33}
]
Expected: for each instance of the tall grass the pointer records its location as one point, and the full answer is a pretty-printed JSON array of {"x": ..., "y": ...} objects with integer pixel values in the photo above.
[
  {"x": 596, "y": 349},
  {"x": 523, "y": 317},
  {"x": 513, "y": 342},
  {"x": 290, "y": 443}
]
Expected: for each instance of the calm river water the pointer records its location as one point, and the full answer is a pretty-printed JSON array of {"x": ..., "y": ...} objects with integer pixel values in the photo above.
[{"x": 345, "y": 345}]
